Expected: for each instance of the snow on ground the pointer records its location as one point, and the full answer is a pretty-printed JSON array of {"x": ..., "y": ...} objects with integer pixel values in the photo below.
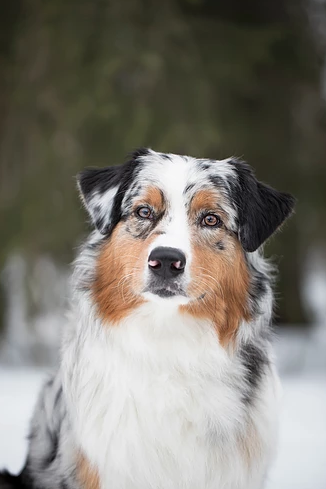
[
  {"x": 301, "y": 460},
  {"x": 18, "y": 394}
]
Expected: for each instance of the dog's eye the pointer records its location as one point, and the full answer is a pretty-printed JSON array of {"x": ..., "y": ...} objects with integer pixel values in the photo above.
[
  {"x": 211, "y": 220},
  {"x": 144, "y": 213}
]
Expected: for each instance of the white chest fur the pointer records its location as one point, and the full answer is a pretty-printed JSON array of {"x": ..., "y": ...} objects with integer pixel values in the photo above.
[{"x": 156, "y": 404}]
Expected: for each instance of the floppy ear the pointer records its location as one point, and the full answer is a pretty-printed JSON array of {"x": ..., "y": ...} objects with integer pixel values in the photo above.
[
  {"x": 261, "y": 209},
  {"x": 98, "y": 188},
  {"x": 102, "y": 190}
]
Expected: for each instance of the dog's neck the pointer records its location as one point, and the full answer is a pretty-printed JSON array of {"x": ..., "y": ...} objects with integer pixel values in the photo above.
[{"x": 157, "y": 357}]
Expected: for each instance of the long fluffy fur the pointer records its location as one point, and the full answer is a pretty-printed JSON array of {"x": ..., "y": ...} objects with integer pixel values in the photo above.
[{"x": 158, "y": 395}]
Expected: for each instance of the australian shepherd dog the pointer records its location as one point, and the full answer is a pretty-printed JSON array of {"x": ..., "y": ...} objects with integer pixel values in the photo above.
[{"x": 166, "y": 378}]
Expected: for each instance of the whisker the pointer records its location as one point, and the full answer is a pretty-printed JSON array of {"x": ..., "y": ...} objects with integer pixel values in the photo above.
[{"x": 125, "y": 277}]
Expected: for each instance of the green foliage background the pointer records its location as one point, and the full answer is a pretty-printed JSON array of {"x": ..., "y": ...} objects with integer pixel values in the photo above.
[{"x": 84, "y": 82}]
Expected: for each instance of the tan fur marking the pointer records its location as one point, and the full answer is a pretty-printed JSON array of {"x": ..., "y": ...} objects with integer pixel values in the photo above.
[
  {"x": 154, "y": 198},
  {"x": 209, "y": 200},
  {"x": 224, "y": 279},
  {"x": 87, "y": 475},
  {"x": 119, "y": 270}
]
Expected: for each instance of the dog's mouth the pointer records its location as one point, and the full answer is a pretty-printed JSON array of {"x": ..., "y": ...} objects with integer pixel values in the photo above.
[
  {"x": 170, "y": 291},
  {"x": 167, "y": 291}
]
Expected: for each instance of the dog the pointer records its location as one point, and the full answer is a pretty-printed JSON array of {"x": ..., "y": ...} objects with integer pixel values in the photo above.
[{"x": 166, "y": 379}]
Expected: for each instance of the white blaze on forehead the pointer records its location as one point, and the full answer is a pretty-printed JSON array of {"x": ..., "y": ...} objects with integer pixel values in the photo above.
[
  {"x": 172, "y": 177},
  {"x": 174, "y": 174}
]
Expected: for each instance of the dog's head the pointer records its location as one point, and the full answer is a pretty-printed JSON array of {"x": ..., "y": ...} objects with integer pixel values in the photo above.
[{"x": 178, "y": 229}]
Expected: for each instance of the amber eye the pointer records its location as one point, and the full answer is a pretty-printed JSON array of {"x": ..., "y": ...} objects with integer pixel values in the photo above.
[
  {"x": 211, "y": 220},
  {"x": 144, "y": 213}
]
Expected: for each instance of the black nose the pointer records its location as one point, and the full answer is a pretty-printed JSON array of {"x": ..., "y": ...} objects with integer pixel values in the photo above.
[{"x": 167, "y": 262}]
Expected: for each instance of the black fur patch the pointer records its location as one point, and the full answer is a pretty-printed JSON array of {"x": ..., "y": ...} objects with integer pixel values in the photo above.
[
  {"x": 53, "y": 434},
  {"x": 8, "y": 481},
  {"x": 217, "y": 181},
  {"x": 261, "y": 209},
  {"x": 165, "y": 156},
  {"x": 258, "y": 288},
  {"x": 94, "y": 246},
  {"x": 139, "y": 152},
  {"x": 53, "y": 454},
  {"x": 188, "y": 188},
  {"x": 135, "y": 190},
  {"x": 220, "y": 246},
  {"x": 205, "y": 166},
  {"x": 254, "y": 360},
  {"x": 99, "y": 179}
]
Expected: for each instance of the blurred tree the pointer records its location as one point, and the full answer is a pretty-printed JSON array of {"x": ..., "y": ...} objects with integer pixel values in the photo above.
[{"x": 86, "y": 81}]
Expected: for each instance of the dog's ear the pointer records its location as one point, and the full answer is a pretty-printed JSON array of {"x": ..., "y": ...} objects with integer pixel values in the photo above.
[
  {"x": 103, "y": 189},
  {"x": 98, "y": 188},
  {"x": 261, "y": 209}
]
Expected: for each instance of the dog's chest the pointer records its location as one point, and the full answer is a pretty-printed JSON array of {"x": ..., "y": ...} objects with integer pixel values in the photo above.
[{"x": 157, "y": 415}]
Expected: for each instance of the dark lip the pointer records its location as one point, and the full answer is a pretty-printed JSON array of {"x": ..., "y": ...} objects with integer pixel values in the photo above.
[{"x": 166, "y": 292}]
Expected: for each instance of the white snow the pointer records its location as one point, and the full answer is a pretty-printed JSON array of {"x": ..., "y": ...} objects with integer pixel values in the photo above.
[
  {"x": 19, "y": 389},
  {"x": 301, "y": 460},
  {"x": 301, "y": 457}
]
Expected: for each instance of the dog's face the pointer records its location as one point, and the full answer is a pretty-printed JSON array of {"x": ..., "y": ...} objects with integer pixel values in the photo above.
[{"x": 177, "y": 229}]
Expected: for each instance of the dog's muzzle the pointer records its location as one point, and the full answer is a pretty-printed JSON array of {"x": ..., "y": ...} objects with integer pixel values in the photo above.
[{"x": 166, "y": 266}]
